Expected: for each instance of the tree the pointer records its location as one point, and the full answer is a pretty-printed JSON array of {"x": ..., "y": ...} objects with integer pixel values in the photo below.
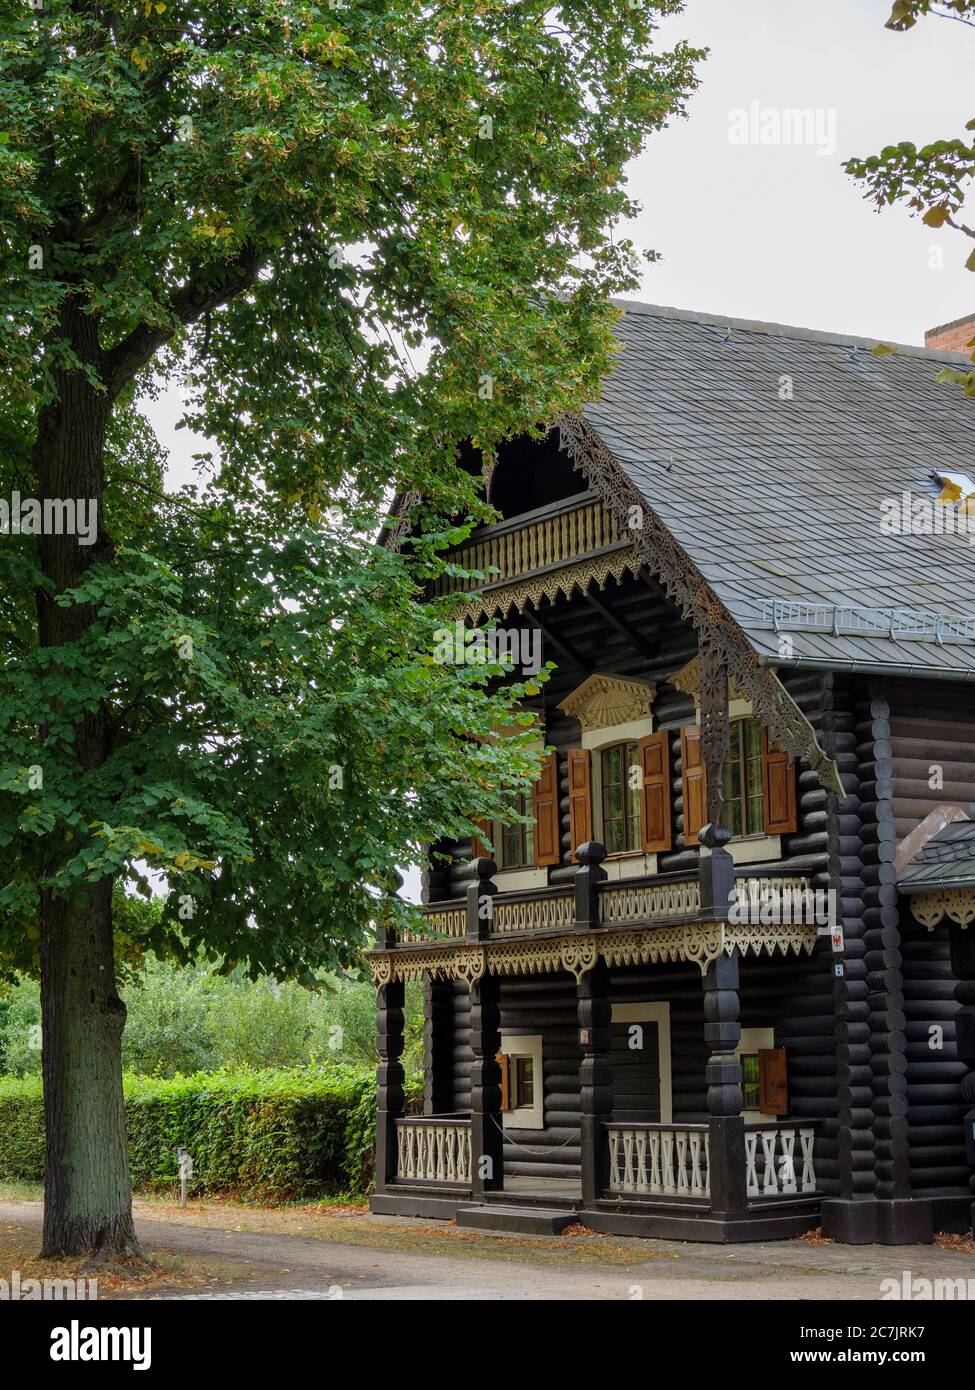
[
  {"x": 931, "y": 181},
  {"x": 282, "y": 202}
]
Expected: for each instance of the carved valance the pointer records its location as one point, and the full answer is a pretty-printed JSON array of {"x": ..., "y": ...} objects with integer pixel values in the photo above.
[
  {"x": 702, "y": 942},
  {"x": 559, "y": 583},
  {"x": 957, "y": 904},
  {"x": 603, "y": 701}
]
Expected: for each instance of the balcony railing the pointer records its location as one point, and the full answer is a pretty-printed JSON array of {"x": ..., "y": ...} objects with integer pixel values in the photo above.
[
  {"x": 779, "y": 1159},
  {"x": 525, "y": 545},
  {"x": 667, "y": 898},
  {"x": 659, "y": 1160},
  {"x": 434, "y": 1149}
]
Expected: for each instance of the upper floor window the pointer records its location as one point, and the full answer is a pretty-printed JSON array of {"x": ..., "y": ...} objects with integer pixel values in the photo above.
[
  {"x": 515, "y": 844},
  {"x": 744, "y": 798},
  {"x": 620, "y": 798}
]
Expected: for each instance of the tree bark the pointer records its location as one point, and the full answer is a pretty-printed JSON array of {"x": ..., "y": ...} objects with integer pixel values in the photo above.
[
  {"x": 87, "y": 1191},
  {"x": 88, "y": 1200}
]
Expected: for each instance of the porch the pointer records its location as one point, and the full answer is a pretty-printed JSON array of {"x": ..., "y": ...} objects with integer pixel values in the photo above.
[{"x": 679, "y": 1158}]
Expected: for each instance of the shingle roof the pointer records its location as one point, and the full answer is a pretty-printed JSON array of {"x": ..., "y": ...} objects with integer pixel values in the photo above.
[
  {"x": 779, "y": 499},
  {"x": 946, "y": 861}
]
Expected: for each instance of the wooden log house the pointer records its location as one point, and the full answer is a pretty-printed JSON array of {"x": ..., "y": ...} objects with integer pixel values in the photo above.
[{"x": 722, "y": 985}]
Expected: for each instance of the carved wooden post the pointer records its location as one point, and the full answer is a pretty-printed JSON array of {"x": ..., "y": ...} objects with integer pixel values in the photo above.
[
  {"x": 389, "y": 1044},
  {"x": 481, "y": 893},
  {"x": 962, "y": 941},
  {"x": 589, "y": 876},
  {"x": 714, "y": 721},
  {"x": 595, "y": 1013},
  {"x": 726, "y": 1127},
  {"x": 389, "y": 1079},
  {"x": 487, "y": 1139}
]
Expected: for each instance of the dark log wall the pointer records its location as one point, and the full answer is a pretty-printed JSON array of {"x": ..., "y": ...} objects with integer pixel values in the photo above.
[{"x": 931, "y": 727}]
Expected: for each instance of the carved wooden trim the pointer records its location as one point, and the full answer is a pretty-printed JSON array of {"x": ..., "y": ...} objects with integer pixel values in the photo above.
[
  {"x": 701, "y": 942},
  {"x": 560, "y": 583},
  {"x": 602, "y": 701},
  {"x": 688, "y": 681},
  {"x": 957, "y": 904},
  {"x": 693, "y": 597}
]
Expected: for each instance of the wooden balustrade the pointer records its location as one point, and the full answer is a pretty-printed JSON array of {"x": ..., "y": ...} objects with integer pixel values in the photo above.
[
  {"x": 433, "y": 1149},
  {"x": 782, "y": 898},
  {"x": 659, "y": 1160},
  {"x": 774, "y": 1166},
  {"x": 516, "y": 549}
]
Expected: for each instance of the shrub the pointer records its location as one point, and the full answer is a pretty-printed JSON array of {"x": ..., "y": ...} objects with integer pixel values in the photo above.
[{"x": 267, "y": 1135}]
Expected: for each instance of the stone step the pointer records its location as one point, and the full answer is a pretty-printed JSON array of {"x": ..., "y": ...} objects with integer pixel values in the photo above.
[{"x": 536, "y": 1221}]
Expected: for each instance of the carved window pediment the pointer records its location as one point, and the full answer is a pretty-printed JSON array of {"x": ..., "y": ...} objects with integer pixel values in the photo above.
[{"x": 601, "y": 702}]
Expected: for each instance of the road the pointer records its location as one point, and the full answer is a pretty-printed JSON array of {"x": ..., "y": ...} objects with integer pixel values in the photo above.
[{"x": 359, "y": 1256}]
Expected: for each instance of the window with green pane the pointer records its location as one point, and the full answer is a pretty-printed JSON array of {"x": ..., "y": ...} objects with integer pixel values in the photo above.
[
  {"x": 744, "y": 804},
  {"x": 620, "y": 801},
  {"x": 516, "y": 843},
  {"x": 750, "y": 1092}
]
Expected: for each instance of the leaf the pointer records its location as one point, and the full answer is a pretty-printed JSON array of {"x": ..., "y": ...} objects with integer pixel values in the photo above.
[
  {"x": 970, "y": 263},
  {"x": 884, "y": 350},
  {"x": 936, "y": 216}
]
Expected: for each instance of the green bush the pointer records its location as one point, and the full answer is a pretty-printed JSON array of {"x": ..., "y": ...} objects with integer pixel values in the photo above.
[{"x": 261, "y": 1135}]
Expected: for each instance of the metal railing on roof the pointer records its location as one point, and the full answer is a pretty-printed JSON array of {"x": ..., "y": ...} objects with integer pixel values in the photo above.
[{"x": 902, "y": 624}]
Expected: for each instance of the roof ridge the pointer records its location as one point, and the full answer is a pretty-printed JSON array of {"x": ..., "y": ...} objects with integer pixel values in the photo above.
[{"x": 783, "y": 330}]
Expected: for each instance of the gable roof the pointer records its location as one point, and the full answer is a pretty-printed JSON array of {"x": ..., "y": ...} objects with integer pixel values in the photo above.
[{"x": 780, "y": 500}]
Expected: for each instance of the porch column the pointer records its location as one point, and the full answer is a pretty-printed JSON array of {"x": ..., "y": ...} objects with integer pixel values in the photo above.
[
  {"x": 487, "y": 1140},
  {"x": 962, "y": 941},
  {"x": 726, "y": 1127},
  {"x": 595, "y": 1011},
  {"x": 389, "y": 1079}
]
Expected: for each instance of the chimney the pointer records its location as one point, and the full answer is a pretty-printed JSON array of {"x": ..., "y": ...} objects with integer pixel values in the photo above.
[{"x": 956, "y": 336}]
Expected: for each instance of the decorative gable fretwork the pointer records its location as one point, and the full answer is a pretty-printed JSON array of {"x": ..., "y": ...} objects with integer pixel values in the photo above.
[
  {"x": 957, "y": 904},
  {"x": 603, "y": 701},
  {"x": 688, "y": 680}
]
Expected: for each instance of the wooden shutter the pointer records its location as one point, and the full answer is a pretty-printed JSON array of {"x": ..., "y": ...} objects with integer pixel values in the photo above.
[
  {"x": 580, "y": 798},
  {"x": 694, "y": 786},
  {"x": 654, "y": 755},
  {"x": 773, "y": 1089},
  {"x": 545, "y": 809},
  {"x": 478, "y": 849},
  {"x": 778, "y": 789},
  {"x": 504, "y": 1062}
]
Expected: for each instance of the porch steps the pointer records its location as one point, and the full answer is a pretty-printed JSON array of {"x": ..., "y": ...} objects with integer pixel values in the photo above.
[{"x": 535, "y": 1221}]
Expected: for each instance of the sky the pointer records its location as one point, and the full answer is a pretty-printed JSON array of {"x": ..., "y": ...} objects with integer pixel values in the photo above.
[{"x": 780, "y": 232}]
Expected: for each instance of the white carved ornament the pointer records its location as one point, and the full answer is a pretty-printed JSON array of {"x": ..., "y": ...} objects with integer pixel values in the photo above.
[{"x": 957, "y": 904}]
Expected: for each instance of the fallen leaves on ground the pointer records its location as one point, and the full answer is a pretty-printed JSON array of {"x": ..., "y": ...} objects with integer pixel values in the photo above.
[{"x": 961, "y": 1245}]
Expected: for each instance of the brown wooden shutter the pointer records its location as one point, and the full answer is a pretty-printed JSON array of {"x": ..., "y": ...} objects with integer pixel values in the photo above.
[
  {"x": 545, "y": 809},
  {"x": 654, "y": 755},
  {"x": 580, "y": 797},
  {"x": 478, "y": 848},
  {"x": 773, "y": 1088},
  {"x": 504, "y": 1062},
  {"x": 695, "y": 793},
  {"x": 778, "y": 789}
]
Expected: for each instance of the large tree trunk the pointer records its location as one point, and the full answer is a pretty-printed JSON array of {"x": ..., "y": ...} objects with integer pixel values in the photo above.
[
  {"x": 88, "y": 1199},
  {"x": 88, "y": 1196}
]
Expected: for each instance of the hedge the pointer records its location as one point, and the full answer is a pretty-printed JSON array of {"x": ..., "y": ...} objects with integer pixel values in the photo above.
[{"x": 263, "y": 1135}]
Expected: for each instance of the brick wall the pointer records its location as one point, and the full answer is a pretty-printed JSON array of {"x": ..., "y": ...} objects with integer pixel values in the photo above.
[{"x": 952, "y": 337}]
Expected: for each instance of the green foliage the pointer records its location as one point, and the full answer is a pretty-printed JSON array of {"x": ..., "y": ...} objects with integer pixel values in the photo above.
[
  {"x": 266, "y": 1135},
  {"x": 182, "y": 1020}
]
